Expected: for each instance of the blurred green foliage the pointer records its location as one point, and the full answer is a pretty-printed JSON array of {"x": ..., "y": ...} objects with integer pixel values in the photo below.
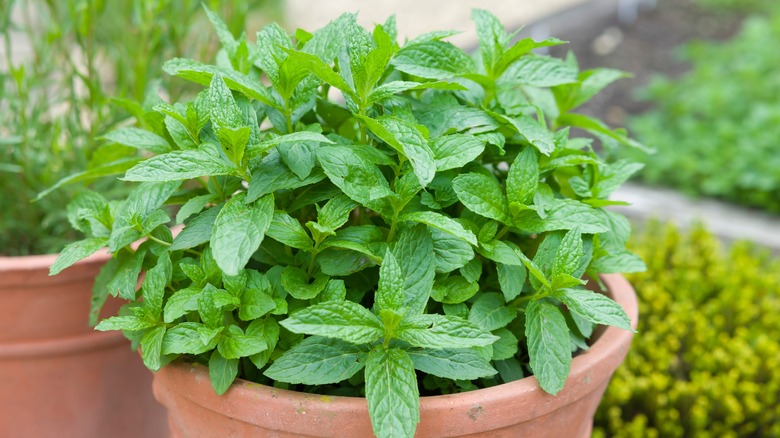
[
  {"x": 706, "y": 358},
  {"x": 716, "y": 129},
  {"x": 729, "y": 6},
  {"x": 69, "y": 71}
]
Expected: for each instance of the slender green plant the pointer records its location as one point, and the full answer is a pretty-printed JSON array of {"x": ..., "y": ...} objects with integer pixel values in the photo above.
[
  {"x": 357, "y": 211},
  {"x": 72, "y": 71}
]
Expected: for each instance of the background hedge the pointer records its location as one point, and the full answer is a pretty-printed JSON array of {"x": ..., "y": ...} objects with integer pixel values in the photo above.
[
  {"x": 716, "y": 129},
  {"x": 706, "y": 359}
]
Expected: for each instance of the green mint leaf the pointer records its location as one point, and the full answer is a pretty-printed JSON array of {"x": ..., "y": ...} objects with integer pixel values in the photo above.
[
  {"x": 357, "y": 177},
  {"x": 390, "y": 293},
  {"x": 77, "y": 251},
  {"x": 392, "y": 393},
  {"x": 482, "y": 194},
  {"x": 210, "y": 312},
  {"x": 129, "y": 322},
  {"x": 226, "y": 38},
  {"x": 234, "y": 344},
  {"x": 202, "y": 74},
  {"x": 456, "y": 150},
  {"x": 414, "y": 252},
  {"x": 139, "y": 139},
  {"x": 523, "y": 177},
  {"x": 125, "y": 279},
  {"x": 255, "y": 303},
  {"x": 375, "y": 64},
  {"x": 489, "y": 312},
  {"x": 451, "y": 363},
  {"x": 454, "y": 290},
  {"x": 539, "y": 71},
  {"x": 440, "y": 331},
  {"x": 270, "y": 43},
  {"x": 336, "y": 212},
  {"x": 614, "y": 175},
  {"x": 450, "y": 252},
  {"x": 520, "y": 48},
  {"x": 598, "y": 127},
  {"x": 327, "y": 42},
  {"x": 222, "y": 372},
  {"x": 299, "y": 157},
  {"x": 192, "y": 206},
  {"x": 618, "y": 262},
  {"x": 253, "y": 151},
  {"x": 472, "y": 271},
  {"x": 272, "y": 175},
  {"x": 511, "y": 279},
  {"x": 296, "y": 282},
  {"x": 548, "y": 344},
  {"x": 534, "y": 132},
  {"x": 197, "y": 231},
  {"x": 405, "y": 138},
  {"x": 100, "y": 290},
  {"x": 180, "y": 302},
  {"x": 238, "y": 231},
  {"x": 441, "y": 222},
  {"x": 591, "y": 82},
  {"x": 181, "y": 165},
  {"x": 322, "y": 71},
  {"x": 116, "y": 167},
  {"x": 188, "y": 338},
  {"x": 594, "y": 307},
  {"x": 318, "y": 361},
  {"x": 154, "y": 284},
  {"x": 141, "y": 202},
  {"x": 563, "y": 214},
  {"x": 570, "y": 253},
  {"x": 345, "y": 320},
  {"x": 506, "y": 346},
  {"x": 287, "y": 230},
  {"x": 447, "y": 117},
  {"x": 492, "y": 37},
  {"x": 433, "y": 60},
  {"x": 151, "y": 347},
  {"x": 509, "y": 369},
  {"x": 266, "y": 329},
  {"x": 390, "y": 89}
]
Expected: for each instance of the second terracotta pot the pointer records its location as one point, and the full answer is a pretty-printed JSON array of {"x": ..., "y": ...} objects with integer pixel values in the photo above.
[
  {"x": 59, "y": 377},
  {"x": 516, "y": 409}
]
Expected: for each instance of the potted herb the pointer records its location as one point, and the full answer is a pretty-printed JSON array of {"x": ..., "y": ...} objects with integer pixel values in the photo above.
[
  {"x": 60, "y": 377},
  {"x": 381, "y": 221}
]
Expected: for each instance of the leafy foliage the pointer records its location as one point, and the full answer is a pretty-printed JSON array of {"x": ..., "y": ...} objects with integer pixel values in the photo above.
[
  {"x": 715, "y": 129},
  {"x": 71, "y": 72},
  {"x": 706, "y": 363},
  {"x": 417, "y": 225}
]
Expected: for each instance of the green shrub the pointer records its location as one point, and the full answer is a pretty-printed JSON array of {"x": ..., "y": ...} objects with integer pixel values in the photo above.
[
  {"x": 706, "y": 358},
  {"x": 716, "y": 128}
]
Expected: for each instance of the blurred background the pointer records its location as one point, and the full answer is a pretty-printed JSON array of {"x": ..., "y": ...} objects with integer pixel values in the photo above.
[{"x": 704, "y": 93}]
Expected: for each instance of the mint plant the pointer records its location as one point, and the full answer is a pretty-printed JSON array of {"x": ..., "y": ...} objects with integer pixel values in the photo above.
[{"x": 358, "y": 213}]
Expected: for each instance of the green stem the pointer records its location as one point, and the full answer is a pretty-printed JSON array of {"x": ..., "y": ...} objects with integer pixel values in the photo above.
[
  {"x": 313, "y": 256},
  {"x": 503, "y": 232}
]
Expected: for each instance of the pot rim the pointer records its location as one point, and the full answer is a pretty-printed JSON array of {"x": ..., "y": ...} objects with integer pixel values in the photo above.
[
  {"x": 589, "y": 370},
  {"x": 33, "y": 270}
]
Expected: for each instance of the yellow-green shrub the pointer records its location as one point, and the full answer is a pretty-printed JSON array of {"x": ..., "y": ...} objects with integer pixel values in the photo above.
[{"x": 706, "y": 360}]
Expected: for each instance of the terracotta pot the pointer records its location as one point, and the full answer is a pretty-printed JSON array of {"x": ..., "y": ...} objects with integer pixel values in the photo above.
[
  {"x": 59, "y": 377},
  {"x": 516, "y": 409}
]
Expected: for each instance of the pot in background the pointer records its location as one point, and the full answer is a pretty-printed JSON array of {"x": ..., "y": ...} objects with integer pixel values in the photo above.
[{"x": 59, "y": 377}]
